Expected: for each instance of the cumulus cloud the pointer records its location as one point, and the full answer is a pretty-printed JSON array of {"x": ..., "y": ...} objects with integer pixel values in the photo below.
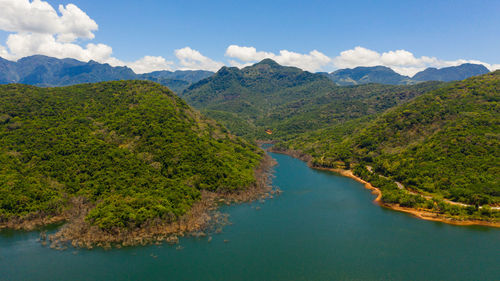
[
  {"x": 193, "y": 59},
  {"x": 4, "y": 53},
  {"x": 313, "y": 61},
  {"x": 26, "y": 44},
  {"x": 40, "y": 17},
  {"x": 247, "y": 53},
  {"x": 149, "y": 64},
  {"x": 401, "y": 61},
  {"x": 37, "y": 28}
]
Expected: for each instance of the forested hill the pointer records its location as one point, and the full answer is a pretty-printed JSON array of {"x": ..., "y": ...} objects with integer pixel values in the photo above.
[
  {"x": 445, "y": 143},
  {"x": 254, "y": 90},
  {"x": 132, "y": 149}
]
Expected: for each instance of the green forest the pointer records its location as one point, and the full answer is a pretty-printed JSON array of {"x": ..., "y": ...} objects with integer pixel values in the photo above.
[{"x": 132, "y": 149}]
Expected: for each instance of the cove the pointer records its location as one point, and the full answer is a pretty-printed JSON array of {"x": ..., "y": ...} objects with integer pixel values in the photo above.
[{"x": 322, "y": 227}]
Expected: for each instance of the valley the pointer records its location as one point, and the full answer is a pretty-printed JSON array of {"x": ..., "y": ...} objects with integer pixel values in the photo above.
[{"x": 129, "y": 162}]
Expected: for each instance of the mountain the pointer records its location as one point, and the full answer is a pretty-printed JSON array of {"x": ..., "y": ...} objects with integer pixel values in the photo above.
[
  {"x": 46, "y": 71},
  {"x": 254, "y": 88},
  {"x": 238, "y": 97},
  {"x": 365, "y": 75},
  {"x": 131, "y": 152},
  {"x": 443, "y": 144},
  {"x": 385, "y": 75},
  {"x": 452, "y": 73},
  {"x": 286, "y": 100},
  {"x": 8, "y": 73}
]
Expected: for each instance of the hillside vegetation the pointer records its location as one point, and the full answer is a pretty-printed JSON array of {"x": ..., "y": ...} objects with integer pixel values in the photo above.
[
  {"x": 254, "y": 90},
  {"x": 445, "y": 143},
  {"x": 133, "y": 150},
  {"x": 339, "y": 105}
]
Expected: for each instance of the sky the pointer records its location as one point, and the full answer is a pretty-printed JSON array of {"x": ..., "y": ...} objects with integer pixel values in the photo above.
[{"x": 315, "y": 35}]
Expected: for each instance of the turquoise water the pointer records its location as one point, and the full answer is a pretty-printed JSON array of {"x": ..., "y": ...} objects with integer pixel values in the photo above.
[{"x": 323, "y": 227}]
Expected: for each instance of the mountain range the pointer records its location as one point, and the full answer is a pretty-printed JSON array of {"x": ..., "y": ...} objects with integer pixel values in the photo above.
[
  {"x": 46, "y": 71},
  {"x": 385, "y": 75},
  {"x": 451, "y": 73}
]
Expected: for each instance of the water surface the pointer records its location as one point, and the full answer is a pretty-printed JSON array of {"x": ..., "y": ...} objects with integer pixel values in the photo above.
[{"x": 323, "y": 227}]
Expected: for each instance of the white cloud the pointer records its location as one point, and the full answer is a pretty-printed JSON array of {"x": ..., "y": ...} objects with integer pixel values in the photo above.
[
  {"x": 247, "y": 53},
  {"x": 192, "y": 59},
  {"x": 38, "y": 29},
  {"x": 4, "y": 53},
  {"x": 150, "y": 63},
  {"x": 314, "y": 61},
  {"x": 40, "y": 17},
  {"x": 401, "y": 61},
  {"x": 26, "y": 44}
]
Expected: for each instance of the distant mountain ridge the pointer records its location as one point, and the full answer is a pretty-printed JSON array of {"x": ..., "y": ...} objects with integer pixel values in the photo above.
[
  {"x": 385, "y": 75},
  {"x": 365, "y": 75},
  {"x": 39, "y": 70},
  {"x": 44, "y": 71},
  {"x": 451, "y": 73}
]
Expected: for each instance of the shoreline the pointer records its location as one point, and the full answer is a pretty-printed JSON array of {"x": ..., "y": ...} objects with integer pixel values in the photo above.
[
  {"x": 32, "y": 223},
  {"x": 203, "y": 217},
  {"x": 421, "y": 214}
]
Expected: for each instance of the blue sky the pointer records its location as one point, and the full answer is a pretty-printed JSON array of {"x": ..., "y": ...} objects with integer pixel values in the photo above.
[{"x": 447, "y": 32}]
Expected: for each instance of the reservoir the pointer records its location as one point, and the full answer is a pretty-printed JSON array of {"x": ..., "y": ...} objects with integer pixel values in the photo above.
[{"x": 322, "y": 227}]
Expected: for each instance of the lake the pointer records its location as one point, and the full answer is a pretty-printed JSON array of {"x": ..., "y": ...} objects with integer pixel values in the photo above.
[{"x": 322, "y": 227}]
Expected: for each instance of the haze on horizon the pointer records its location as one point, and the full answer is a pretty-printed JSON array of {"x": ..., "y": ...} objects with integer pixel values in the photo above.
[{"x": 318, "y": 36}]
